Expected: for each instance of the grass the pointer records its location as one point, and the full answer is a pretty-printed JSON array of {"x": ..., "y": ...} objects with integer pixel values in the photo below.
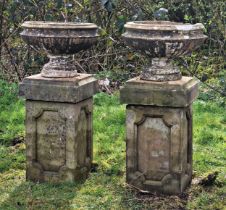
[
  {"x": 11, "y": 113},
  {"x": 106, "y": 188}
]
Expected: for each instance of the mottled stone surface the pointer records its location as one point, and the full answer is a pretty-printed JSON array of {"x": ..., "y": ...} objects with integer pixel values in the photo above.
[
  {"x": 59, "y": 40},
  {"x": 70, "y": 90},
  {"x": 163, "y": 41},
  {"x": 180, "y": 93},
  {"x": 161, "y": 69},
  {"x": 58, "y": 127},
  {"x": 159, "y": 134},
  {"x": 159, "y": 148},
  {"x": 58, "y": 140}
]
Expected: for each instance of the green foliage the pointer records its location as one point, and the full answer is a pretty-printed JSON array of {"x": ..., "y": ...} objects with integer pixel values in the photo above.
[
  {"x": 110, "y": 54},
  {"x": 214, "y": 131},
  {"x": 11, "y": 113},
  {"x": 109, "y": 5},
  {"x": 207, "y": 199},
  {"x": 109, "y": 138},
  {"x": 12, "y": 157},
  {"x": 209, "y": 137}
]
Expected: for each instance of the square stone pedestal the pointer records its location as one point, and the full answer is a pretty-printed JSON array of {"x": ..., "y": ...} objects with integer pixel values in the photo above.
[
  {"x": 58, "y": 127},
  {"x": 159, "y": 134}
]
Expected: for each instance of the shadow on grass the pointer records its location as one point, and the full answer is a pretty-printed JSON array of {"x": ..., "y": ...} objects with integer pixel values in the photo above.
[
  {"x": 102, "y": 191},
  {"x": 134, "y": 199},
  {"x": 12, "y": 157},
  {"x": 29, "y": 195}
]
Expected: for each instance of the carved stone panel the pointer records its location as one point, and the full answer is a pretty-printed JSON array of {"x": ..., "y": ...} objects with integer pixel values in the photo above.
[
  {"x": 158, "y": 149},
  {"x": 58, "y": 140},
  {"x": 51, "y": 140},
  {"x": 153, "y": 148}
]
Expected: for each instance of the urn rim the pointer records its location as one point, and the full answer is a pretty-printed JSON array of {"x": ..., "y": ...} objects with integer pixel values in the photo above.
[
  {"x": 163, "y": 26},
  {"x": 58, "y": 25}
]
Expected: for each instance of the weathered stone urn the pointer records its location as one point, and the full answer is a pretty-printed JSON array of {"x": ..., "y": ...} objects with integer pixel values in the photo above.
[
  {"x": 59, "y": 104},
  {"x": 159, "y": 110},
  {"x": 163, "y": 41},
  {"x": 59, "y": 41}
]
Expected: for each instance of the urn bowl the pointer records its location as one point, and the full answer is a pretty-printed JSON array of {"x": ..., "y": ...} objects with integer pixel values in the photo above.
[
  {"x": 59, "y": 40},
  {"x": 163, "y": 41}
]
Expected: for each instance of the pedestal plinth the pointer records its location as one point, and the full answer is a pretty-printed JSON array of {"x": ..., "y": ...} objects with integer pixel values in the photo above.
[
  {"x": 58, "y": 127},
  {"x": 159, "y": 133}
]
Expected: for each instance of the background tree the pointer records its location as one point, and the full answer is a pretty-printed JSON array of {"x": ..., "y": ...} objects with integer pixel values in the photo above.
[{"x": 111, "y": 58}]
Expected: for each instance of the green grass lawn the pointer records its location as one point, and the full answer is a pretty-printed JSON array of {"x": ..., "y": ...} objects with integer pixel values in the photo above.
[{"x": 106, "y": 188}]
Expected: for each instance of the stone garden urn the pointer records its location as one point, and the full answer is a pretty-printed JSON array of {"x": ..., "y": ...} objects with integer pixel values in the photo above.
[
  {"x": 159, "y": 107},
  {"x": 163, "y": 41},
  {"x": 59, "y": 103},
  {"x": 59, "y": 40}
]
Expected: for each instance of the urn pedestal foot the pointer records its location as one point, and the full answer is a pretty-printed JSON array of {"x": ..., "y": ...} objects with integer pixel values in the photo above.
[
  {"x": 59, "y": 67},
  {"x": 161, "y": 69},
  {"x": 58, "y": 127},
  {"x": 159, "y": 134}
]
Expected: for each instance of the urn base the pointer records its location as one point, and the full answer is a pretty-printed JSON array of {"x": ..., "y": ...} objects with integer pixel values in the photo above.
[
  {"x": 161, "y": 70},
  {"x": 59, "y": 67}
]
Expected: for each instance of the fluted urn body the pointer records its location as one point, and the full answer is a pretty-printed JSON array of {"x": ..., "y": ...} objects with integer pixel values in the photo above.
[
  {"x": 162, "y": 41},
  {"x": 59, "y": 41}
]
